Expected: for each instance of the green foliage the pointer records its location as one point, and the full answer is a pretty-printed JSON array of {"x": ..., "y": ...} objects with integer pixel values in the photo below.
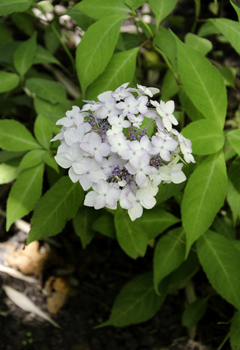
[
  {"x": 169, "y": 254},
  {"x": 194, "y": 312},
  {"x": 55, "y": 208},
  {"x": 91, "y": 60},
  {"x": 203, "y": 197},
  {"x": 41, "y": 80},
  {"x": 221, "y": 263},
  {"x": 137, "y": 302}
]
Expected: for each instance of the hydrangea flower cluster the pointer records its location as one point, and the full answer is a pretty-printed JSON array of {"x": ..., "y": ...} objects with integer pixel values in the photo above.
[{"x": 107, "y": 149}]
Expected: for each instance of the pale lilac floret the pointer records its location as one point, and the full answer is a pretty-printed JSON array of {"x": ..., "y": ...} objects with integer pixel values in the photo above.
[
  {"x": 136, "y": 120},
  {"x": 119, "y": 121},
  {"x": 95, "y": 147},
  {"x": 142, "y": 171},
  {"x": 128, "y": 106},
  {"x": 147, "y": 90},
  {"x": 108, "y": 109},
  {"x": 104, "y": 194},
  {"x": 162, "y": 147},
  {"x": 118, "y": 143},
  {"x": 121, "y": 93},
  {"x": 67, "y": 155}
]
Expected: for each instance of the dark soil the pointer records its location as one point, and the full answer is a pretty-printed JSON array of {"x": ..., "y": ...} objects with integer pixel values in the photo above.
[{"x": 100, "y": 271}]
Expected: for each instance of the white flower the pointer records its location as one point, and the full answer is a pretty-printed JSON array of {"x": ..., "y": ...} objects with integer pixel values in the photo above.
[
  {"x": 165, "y": 110},
  {"x": 142, "y": 105},
  {"x": 104, "y": 194},
  {"x": 67, "y": 155},
  {"x": 121, "y": 93},
  {"x": 143, "y": 169},
  {"x": 108, "y": 109},
  {"x": 128, "y": 106},
  {"x": 95, "y": 147},
  {"x": 118, "y": 143},
  {"x": 87, "y": 172},
  {"x": 150, "y": 91},
  {"x": 142, "y": 199},
  {"x": 162, "y": 147},
  {"x": 136, "y": 120},
  {"x": 120, "y": 122}
]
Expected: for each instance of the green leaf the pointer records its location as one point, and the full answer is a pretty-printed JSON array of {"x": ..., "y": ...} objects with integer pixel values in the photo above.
[
  {"x": 10, "y": 6},
  {"x": 187, "y": 105},
  {"x": 204, "y": 46},
  {"x": 15, "y": 137},
  {"x": 44, "y": 56},
  {"x": 233, "y": 199},
  {"x": 24, "y": 194},
  {"x": 82, "y": 222},
  {"x": 131, "y": 237},
  {"x": 120, "y": 69},
  {"x": 180, "y": 277},
  {"x": 230, "y": 29},
  {"x": 221, "y": 263},
  {"x": 169, "y": 86},
  {"x": 102, "y": 8},
  {"x": 43, "y": 130},
  {"x": 194, "y": 312},
  {"x": 235, "y": 331},
  {"x": 166, "y": 42},
  {"x": 233, "y": 173},
  {"x": 24, "y": 54},
  {"x": 236, "y": 8},
  {"x": 156, "y": 221},
  {"x": 208, "y": 28},
  {"x": 224, "y": 226},
  {"x": 82, "y": 20},
  {"x": 24, "y": 22},
  {"x": 134, "y": 3},
  {"x": 137, "y": 302},
  {"x": 91, "y": 60},
  {"x": 203, "y": 83},
  {"x": 8, "y": 81},
  {"x": 55, "y": 208},
  {"x": 162, "y": 8},
  {"x": 168, "y": 255},
  {"x": 8, "y": 171},
  {"x": 233, "y": 137},
  {"x": 31, "y": 159},
  {"x": 203, "y": 197},
  {"x": 105, "y": 225},
  {"x": 50, "y": 161},
  {"x": 205, "y": 135},
  {"x": 48, "y": 90}
]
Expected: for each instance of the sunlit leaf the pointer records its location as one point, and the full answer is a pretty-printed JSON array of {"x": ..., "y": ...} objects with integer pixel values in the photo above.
[
  {"x": 206, "y": 136},
  {"x": 91, "y": 60},
  {"x": 102, "y": 8},
  {"x": 203, "y": 197},
  {"x": 8, "y": 81}
]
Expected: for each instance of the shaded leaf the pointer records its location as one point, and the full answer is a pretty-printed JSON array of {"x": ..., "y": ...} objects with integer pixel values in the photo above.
[
  {"x": 24, "y": 194},
  {"x": 131, "y": 237},
  {"x": 235, "y": 331},
  {"x": 233, "y": 199},
  {"x": 169, "y": 254},
  {"x": 48, "y": 90},
  {"x": 221, "y": 262},
  {"x": 194, "y": 312},
  {"x": 55, "y": 208},
  {"x": 105, "y": 225},
  {"x": 24, "y": 54},
  {"x": 82, "y": 222},
  {"x": 8, "y": 81},
  {"x": 137, "y": 302}
]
